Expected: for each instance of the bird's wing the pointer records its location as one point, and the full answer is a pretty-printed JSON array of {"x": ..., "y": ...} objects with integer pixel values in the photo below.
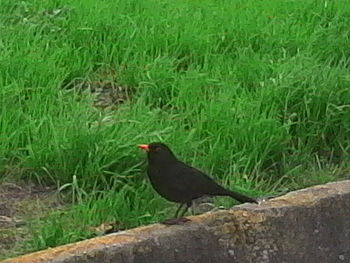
[{"x": 196, "y": 181}]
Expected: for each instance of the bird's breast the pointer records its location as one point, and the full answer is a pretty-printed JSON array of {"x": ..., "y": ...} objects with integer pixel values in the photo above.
[{"x": 166, "y": 187}]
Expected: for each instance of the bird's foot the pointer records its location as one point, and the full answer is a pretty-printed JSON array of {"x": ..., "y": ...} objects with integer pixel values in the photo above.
[{"x": 175, "y": 221}]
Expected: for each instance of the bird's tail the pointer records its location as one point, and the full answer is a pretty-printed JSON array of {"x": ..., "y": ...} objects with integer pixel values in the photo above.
[
  {"x": 239, "y": 197},
  {"x": 242, "y": 198}
]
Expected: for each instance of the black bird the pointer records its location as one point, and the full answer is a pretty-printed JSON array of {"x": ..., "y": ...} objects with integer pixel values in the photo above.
[{"x": 178, "y": 182}]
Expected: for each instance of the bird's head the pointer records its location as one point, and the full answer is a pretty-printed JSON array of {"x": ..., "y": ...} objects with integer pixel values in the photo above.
[{"x": 157, "y": 152}]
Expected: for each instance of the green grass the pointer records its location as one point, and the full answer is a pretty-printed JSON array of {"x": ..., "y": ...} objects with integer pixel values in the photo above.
[{"x": 255, "y": 92}]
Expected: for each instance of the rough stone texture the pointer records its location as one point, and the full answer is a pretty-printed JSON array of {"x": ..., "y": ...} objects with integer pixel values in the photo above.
[{"x": 310, "y": 225}]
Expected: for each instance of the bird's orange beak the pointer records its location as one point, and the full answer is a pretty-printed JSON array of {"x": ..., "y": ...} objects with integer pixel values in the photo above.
[{"x": 144, "y": 147}]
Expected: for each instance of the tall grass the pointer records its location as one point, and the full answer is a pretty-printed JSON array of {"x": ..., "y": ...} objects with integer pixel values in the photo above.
[{"x": 256, "y": 93}]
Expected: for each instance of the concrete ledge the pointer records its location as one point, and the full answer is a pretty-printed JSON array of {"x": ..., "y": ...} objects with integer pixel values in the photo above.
[{"x": 310, "y": 225}]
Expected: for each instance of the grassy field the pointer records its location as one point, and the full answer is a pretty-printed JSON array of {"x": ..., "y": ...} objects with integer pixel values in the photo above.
[{"x": 256, "y": 93}]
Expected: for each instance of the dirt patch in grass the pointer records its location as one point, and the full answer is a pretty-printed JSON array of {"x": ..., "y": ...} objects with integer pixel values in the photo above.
[
  {"x": 107, "y": 94},
  {"x": 105, "y": 88},
  {"x": 20, "y": 204}
]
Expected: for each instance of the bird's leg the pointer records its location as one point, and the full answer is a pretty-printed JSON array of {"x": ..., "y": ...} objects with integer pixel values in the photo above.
[
  {"x": 178, "y": 210},
  {"x": 178, "y": 220},
  {"x": 188, "y": 205}
]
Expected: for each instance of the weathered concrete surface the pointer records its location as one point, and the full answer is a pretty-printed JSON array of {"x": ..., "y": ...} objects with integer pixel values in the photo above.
[{"x": 310, "y": 225}]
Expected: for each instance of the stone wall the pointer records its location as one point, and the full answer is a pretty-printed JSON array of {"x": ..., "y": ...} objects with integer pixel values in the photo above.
[{"x": 310, "y": 225}]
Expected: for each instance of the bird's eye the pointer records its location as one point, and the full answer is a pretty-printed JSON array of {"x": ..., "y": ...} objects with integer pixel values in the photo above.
[{"x": 158, "y": 149}]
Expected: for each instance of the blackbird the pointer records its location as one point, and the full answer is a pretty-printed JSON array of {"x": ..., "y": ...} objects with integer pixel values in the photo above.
[{"x": 178, "y": 182}]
